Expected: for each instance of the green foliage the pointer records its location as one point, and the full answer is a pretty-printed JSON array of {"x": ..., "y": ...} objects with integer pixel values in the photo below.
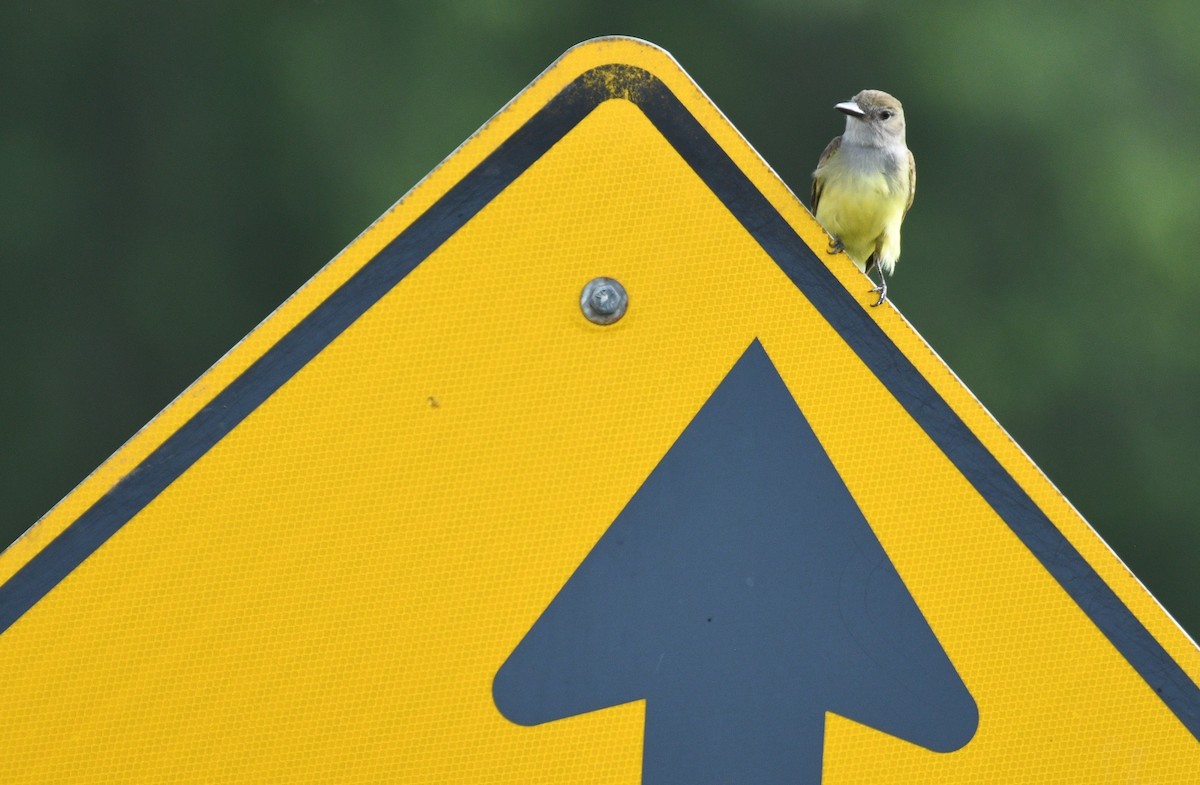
[{"x": 170, "y": 173}]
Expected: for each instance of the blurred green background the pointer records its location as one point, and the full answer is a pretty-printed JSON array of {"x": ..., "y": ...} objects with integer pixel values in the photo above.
[{"x": 170, "y": 172}]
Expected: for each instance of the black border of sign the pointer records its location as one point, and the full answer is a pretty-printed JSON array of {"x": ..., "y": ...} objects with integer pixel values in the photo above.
[{"x": 739, "y": 195}]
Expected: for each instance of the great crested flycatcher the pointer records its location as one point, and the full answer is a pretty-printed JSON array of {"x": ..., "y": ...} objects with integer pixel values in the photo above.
[{"x": 864, "y": 184}]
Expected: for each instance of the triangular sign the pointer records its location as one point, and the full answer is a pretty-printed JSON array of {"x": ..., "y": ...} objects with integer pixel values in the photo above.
[{"x": 431, "y": 523}]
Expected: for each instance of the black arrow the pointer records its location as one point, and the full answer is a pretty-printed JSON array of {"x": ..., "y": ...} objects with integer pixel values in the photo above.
[{"x": 742, "y": 594}]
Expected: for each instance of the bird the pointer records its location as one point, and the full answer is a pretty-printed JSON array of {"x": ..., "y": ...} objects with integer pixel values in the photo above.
[{"x": 864, "y": 184}]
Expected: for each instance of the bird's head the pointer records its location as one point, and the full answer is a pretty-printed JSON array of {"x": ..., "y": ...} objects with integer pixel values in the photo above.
[{"x": 873, "y": 118}]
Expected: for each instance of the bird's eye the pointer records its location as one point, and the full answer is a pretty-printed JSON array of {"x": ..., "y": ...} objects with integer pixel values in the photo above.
[{"x": 886, "y": 114}]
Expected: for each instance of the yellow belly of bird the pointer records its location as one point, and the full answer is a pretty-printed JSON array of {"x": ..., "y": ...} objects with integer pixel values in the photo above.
[{"x": 858, "y": 210}]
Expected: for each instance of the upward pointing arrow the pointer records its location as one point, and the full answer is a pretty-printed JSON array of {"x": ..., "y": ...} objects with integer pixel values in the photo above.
[{"x": 742, "y": 594}]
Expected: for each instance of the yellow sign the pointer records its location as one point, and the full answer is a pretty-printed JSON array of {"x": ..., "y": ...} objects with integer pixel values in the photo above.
[{"x": 429, "y": 523}]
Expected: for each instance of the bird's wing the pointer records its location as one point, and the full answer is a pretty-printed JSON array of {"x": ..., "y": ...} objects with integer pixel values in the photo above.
[
  {"x": 818, "y": 181},
  {"x": 912, "y": 181}
]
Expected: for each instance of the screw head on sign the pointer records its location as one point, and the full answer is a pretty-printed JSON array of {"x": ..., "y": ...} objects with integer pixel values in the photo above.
[{"x": 604, "y": 300}]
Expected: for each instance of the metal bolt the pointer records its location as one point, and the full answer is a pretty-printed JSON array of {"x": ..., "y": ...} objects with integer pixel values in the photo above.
[{"x": 604, "y": 300}]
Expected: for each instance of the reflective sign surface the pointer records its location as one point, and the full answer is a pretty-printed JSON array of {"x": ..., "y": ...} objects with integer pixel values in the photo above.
[{"x": 428, "y": 523}]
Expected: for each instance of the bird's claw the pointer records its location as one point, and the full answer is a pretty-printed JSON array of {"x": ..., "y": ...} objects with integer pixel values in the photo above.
[
  {"x": 882, "y": 289},
  {"x": 835, "y": 246}
]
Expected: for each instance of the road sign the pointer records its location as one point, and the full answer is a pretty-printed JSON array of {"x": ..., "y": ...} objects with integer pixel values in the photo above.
[{"x": 432, "y": 523}]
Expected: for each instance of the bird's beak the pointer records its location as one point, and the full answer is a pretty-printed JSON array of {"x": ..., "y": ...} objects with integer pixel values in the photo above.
[{"x": 851, "y": 108}]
